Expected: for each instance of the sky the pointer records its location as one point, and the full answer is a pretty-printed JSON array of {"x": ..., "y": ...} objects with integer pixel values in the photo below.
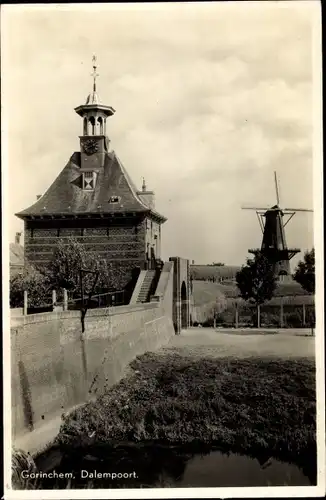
[{"x": 210, "y": 99}]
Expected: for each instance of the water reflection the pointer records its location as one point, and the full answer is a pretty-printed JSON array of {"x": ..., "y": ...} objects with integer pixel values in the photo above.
[
  {"x": 151, "y": 467},
  {"x": 217, "y": 469}
]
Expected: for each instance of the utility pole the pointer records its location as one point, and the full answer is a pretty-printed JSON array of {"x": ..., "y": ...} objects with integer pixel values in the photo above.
[
  {"x": 236, "y": 315},
  {"x": 281, "y": 313}
]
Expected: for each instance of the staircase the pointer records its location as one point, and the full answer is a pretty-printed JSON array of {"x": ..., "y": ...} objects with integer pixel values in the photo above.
[{"x": 144, "y": 291}]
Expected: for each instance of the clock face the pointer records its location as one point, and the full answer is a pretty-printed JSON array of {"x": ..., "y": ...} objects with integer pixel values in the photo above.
[{"x": 90, "y": 146}]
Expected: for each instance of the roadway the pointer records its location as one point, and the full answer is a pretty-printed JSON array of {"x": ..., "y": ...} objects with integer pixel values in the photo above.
[{"x": 241, "y": 343}]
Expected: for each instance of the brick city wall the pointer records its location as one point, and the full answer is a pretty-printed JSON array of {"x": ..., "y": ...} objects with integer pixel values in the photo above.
[{"x": 55, "y": 367}]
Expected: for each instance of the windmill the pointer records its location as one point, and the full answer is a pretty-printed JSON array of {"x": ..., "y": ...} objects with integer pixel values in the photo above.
[{"x": 272, "y": 224}]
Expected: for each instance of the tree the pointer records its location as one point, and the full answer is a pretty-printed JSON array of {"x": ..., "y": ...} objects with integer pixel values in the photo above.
[
  {"x": 305, "y": 272},
  {"x": 36, "y": 284},
  {"x": 217, "y": 308},
  {"x": 70, "y": 257},
  {"x": 256, "y": 282},
  {"x": 67, "y": 261}
]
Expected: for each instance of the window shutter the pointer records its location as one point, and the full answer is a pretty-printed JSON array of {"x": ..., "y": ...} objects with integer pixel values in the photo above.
[{"x": 89, "y": 181}]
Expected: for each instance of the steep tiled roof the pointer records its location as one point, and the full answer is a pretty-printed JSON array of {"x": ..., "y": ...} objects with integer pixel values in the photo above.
[
  {"x": 16, "y": 254},
  {"x": 66, "y": 196}
]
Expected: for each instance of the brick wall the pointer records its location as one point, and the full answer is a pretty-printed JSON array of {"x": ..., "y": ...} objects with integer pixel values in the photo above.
[
  {"x": 120, "y": 242},
  {"x": 153, "y": 236},
  {"x": 55, "y": 367}
]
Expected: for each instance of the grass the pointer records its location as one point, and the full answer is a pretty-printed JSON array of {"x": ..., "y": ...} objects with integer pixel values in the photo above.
[
  {"x": 252, "y": 406},
  {"x": 207, "y": 291},
  {"x": 207, "y": 294},
  {"x": 202, "y": 273}
]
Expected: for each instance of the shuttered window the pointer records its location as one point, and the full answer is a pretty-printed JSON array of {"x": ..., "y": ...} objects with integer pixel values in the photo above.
[{"x": 89, "y": 181}]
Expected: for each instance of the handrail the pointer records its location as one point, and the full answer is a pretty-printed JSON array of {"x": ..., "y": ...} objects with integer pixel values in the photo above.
[{"x": 72, "y": 301}]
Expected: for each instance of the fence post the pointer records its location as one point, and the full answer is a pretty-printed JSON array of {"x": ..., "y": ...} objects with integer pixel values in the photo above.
[
  {"x": 25, "y": 302},
  {"x": 258, "y": 316},
  {"x": 65, "y": 300},
  {"x": 236, "y": 315},
  {"x": 281, "y": 314},
  {"x": 304, "y": 314},
  {"x": 54, "y": 299}
]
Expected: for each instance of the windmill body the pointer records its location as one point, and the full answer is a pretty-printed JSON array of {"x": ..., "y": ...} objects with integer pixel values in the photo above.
[
  {"x": 272, "y": 222},
  {"x": 274, "y": 245}
]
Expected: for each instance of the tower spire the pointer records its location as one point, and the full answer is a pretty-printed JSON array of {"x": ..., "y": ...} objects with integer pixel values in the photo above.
[
  {"x": 94, "y": 74},
  {"x": 93, "y": 113}
]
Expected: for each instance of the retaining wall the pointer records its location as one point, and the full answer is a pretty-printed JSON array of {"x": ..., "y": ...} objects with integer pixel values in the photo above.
[
  {"x": 16, "y": 312},
  {"x": 56, "y": 367}
]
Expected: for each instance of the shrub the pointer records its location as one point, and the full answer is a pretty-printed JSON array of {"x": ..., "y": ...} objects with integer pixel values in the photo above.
[
  {"x": 35, "y": 283},
  {"x": 305, "y": 272},
  {"x": 293, "y": 319},
  {"x": 70, "y": 257}
]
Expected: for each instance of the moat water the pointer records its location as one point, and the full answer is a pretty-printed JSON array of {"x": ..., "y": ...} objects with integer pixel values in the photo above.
[{"x": 170, "y": 468}]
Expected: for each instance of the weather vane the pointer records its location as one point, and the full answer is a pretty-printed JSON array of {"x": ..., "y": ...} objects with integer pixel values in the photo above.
[{"x": 94, "y": 74}]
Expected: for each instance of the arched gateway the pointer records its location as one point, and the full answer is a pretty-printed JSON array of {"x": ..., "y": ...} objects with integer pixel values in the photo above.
[
  {"x": 181, "y": 292},
  {"x": 184, "y": 306}
]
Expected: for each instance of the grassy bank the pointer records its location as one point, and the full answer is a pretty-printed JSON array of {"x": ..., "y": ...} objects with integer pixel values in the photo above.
[
  {"x": 254, "y": 406},
  {"x": 209, "y": 296}
]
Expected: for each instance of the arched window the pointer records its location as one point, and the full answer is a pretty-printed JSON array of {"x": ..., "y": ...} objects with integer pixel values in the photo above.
[
  {"x": 184, "y": 306},
  {"x": 100, "y": 124},
  {"x": 85, "y": 126},
  {"x": 183, "y": 291},
  {"x": 281, "y": 275},
  {"x": 92, "y": 122}
]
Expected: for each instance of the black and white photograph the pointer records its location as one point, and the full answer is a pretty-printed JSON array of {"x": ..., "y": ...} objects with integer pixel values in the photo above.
[{"x": 163, "y": 250}]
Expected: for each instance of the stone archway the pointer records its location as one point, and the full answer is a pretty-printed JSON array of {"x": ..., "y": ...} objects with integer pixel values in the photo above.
[
  {"x": 181, "y": 294},
  {"x": 184, "y": 306},
  {"x": 282, "y": 275}
]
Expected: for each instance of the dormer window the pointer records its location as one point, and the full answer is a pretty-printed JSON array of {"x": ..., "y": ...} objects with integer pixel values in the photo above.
[
  {"x": 114, "y": 199},
  {"x": 89, "y": 179}
]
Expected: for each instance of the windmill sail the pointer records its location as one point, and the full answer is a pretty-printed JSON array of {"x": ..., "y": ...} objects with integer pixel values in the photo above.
[{"x": 276, "y": 189}]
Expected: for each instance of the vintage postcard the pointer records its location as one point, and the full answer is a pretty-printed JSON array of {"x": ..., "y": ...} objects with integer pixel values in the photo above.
[{"x": 163, "y": 250}]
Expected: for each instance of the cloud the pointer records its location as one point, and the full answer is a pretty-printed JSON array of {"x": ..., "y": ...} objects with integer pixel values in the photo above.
[{"x": 210, "y": 100}]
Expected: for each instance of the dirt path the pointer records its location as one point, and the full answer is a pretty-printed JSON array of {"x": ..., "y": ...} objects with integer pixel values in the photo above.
[{"x": 205, "y": 342}]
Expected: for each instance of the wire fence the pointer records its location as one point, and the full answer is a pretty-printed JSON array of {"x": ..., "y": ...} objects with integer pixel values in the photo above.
[{"x": 246, "y": 315}]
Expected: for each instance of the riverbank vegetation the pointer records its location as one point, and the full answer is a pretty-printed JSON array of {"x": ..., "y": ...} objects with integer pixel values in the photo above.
[{"x": 261, "y": 407}]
